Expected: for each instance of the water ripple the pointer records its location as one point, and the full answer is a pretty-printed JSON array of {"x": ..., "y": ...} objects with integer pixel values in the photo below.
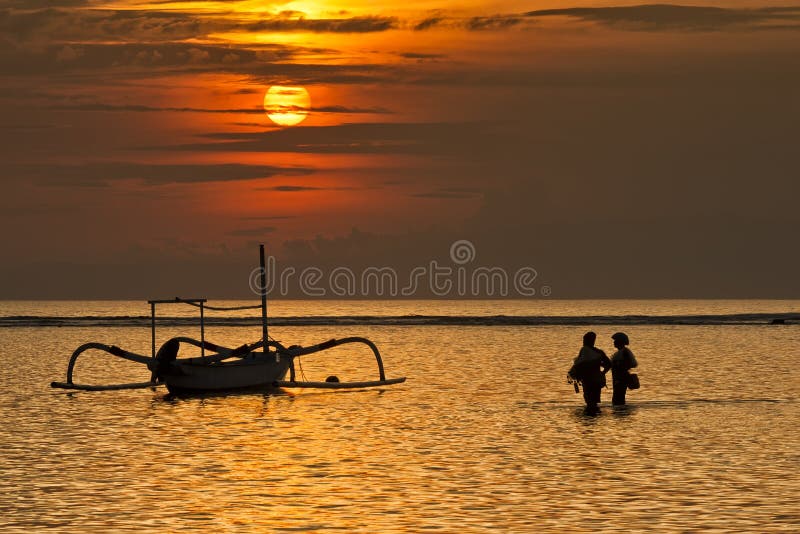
[{"x": 479, "y": 439}]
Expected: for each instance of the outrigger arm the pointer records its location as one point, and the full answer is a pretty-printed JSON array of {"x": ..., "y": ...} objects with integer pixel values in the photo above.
[{"x": 302, "y": 351}]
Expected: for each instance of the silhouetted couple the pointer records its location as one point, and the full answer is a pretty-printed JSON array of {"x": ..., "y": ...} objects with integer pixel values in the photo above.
[{"x": 592, "y": 364}]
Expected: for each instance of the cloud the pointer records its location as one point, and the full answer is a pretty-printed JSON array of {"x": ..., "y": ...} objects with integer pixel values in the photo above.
[
  {"x": 105, "y": 173},
  {"x": 655, "y": 17},
  {"x": 57, "y": 25},
  {"x": 136, "y": 43},
  {"x": 422, "y": 57},
  {"x": 247, "y": 91},
  {"x": 318, "y": 73},
  {"x": 300, "y": 188},
  {"x": 439, "y": 195},
  {"x": 289, "y": 188},
  {"x": 494, "y": 22},
  {"x": 142, "y": 60},
  {"x": 345, "y": 109},
  {"x": 497, "y": 22},
  {"x": 460, "y": 139},
  {"x": 268, "y": 64},
  {"x": 450, "y": 193},
  {"x": 269, "y": 218},
  {"x": 667, "y": 17},
  {"x": 68, "y": 53},
  {"x": 39, "y": 4},
  {"x": 348, "y": 25},
  {"x": 429, "y": 23},
  {"x": 252, "y": 232},
  {"x": 64, "y": 25},
  {"x": 99, "y": 106}
]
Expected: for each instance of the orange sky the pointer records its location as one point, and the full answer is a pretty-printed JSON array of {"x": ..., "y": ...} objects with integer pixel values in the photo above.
[{"x": 136, "y": 130}]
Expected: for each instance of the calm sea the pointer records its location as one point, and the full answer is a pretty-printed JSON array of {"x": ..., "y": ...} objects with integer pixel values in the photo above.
[{"x": 485, "y": 435}]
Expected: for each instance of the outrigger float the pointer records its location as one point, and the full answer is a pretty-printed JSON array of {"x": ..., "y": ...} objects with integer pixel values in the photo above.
[{"x": 255, "y": 366}]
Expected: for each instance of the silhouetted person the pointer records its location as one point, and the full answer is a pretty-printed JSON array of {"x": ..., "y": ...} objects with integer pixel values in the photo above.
[
  {"x": 621, "y": 364},
  {"x": 590, "y": 368}
]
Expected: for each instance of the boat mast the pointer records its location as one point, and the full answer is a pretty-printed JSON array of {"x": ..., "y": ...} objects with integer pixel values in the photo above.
[{"x": 264, "y": 334}]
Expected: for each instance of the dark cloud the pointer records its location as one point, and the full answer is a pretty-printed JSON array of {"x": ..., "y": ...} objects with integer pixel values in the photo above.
[
  {"x": 656, "y": 17},
  {"x": 445, "y": 193},
  {"x": 429, "y": 23},
  {"x": 143, "y": 60},
  {"x": 349, "y": 25},
  {"x": 249, "y": 124},
  {"x": 346, "y": 109},
  {"x": 416, "y": 55},
  {"x": 98, "y": 106},
  {"x": 252, "y": 232},
  {"x": 103, "y": 174},
  {"x": 579, "y": 260},
  {"x": 269, "y": 218},
  {"x": 56, "y": 25},
  {"x": 301, "y": 188},
  {"x": 165, "y": 2},
  {"x": 666, "y": 17},
  {"x": 458, "y": 139},
  {"x": 494, "y": 22},
  {"x": 318, "y": 73},
  {"x": 440, "y": 195},
  {"x": 40, "y": 4},
  {"x": 72, "y": 63},
  {"x": 500, "y": 21},
  {"x": 289, "y": 188},
  {"x": 619, "y": 71}
]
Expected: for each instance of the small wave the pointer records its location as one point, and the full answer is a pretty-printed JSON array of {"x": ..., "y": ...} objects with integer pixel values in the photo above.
[
  {"x": 685, "y": 402},
  {"x": 648, "y": 404},
  {"x": 408, "y": 320}
]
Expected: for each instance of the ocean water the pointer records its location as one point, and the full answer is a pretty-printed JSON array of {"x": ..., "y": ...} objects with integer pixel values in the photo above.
[{"x": 485, "y": 435}]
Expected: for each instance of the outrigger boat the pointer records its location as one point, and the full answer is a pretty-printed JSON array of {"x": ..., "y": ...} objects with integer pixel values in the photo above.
[{"x": 260, "y": 365}]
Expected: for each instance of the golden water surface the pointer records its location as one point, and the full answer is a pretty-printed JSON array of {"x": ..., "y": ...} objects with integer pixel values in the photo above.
[{"x": 484, "y": 435}]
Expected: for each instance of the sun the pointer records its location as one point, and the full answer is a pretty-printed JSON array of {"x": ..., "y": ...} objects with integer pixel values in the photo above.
[{"x": 287, "y": 106}]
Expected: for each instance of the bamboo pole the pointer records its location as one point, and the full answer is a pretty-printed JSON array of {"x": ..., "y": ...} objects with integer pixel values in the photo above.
[
  {"x": 264, "y": 333},
  {"x": 87, "y": 387},
  {"x": 153, "y": 329},
  {"x": 338, "y": 385},
  {"x": 202, "y": 331}
]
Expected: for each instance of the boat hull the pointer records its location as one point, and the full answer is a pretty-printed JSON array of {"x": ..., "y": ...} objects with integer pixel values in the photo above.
[{"x": 255, "y": 371}]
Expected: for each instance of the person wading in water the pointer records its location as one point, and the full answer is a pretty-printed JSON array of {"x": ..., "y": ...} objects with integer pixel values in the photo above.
[
  {"x": 621, "y": 364},
  {"x": 590, "y": 368}
]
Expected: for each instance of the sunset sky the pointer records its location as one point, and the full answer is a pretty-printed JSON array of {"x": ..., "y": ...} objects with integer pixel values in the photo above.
[{"x": 621, "y": 150}]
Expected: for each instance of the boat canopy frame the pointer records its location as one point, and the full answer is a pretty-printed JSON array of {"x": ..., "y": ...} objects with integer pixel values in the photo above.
[{"x": 200, "y": 303}]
